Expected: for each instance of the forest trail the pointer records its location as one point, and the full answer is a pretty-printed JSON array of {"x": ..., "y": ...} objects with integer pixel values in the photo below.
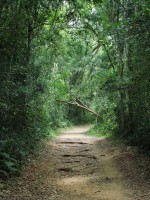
[{"x": 73, "y": 166}]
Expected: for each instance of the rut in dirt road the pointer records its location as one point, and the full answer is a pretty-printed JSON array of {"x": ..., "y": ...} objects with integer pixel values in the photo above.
[
  {"x": 85, "y": 169},
  {"x": 73, "y": 166}
]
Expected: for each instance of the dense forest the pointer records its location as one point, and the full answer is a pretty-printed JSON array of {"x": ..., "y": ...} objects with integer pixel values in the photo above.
[{"x": 63, "y": 62}]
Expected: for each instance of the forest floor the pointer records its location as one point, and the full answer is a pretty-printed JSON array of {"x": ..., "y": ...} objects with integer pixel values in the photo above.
[{"x": 75, "y": 166}]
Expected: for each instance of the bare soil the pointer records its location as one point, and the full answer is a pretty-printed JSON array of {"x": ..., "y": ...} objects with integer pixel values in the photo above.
[{"x": 75, "y": 166}]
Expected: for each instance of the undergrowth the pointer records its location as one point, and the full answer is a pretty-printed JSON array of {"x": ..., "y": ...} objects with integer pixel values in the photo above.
[{"x": 12, "y": 160}]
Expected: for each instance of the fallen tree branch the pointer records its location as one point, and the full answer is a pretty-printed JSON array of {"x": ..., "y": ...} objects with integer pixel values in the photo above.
[{"x": 79, "y": 104}]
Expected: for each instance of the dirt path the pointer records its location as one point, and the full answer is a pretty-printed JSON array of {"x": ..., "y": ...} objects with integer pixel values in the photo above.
[{"x": 73, "y": 166}]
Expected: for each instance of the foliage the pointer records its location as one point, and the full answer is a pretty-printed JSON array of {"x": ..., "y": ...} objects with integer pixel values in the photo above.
[
  {"x": 52, "y": 52},
  {"x": 28, "y": 107}
]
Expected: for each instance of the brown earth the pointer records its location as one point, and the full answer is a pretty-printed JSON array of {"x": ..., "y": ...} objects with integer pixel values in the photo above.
[{"x": 75, "y": 166}]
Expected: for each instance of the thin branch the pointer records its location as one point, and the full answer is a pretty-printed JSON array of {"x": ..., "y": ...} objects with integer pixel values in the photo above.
[
  {"x": 99, "y": 44},
  {"x": 108, "y": 55},
  {"x": 81, "y": 103}
]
